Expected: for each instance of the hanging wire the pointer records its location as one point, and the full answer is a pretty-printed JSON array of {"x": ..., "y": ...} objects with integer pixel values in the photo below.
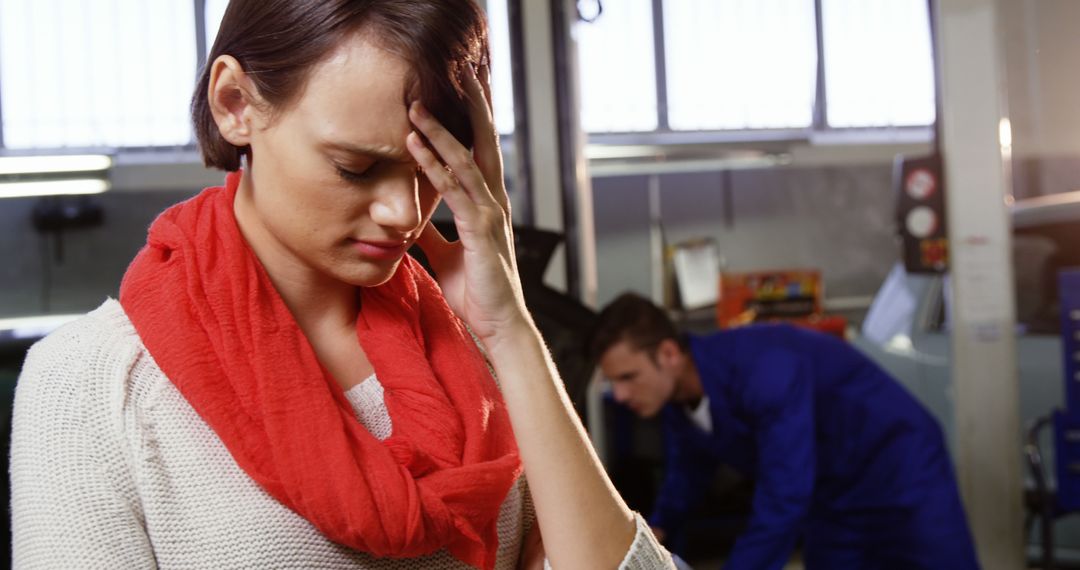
[{"x": 592, "y": 10}]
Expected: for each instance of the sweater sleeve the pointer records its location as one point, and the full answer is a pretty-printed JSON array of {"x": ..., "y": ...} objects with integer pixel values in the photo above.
[
  {"x": 645, "y": 552},
  {"x": 73, "y": 499}
]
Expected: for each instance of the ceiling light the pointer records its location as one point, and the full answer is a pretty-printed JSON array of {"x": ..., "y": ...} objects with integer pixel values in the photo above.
[
  {"x": 32, "y": 327},
  {"x": 54, "y": 164},
  {"x": 53, "y": 188}
]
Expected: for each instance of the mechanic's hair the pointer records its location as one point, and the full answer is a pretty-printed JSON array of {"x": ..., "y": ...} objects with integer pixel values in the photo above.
[
  {"x": 279, "y": 42},
  {"x": 634, "y": 319}
]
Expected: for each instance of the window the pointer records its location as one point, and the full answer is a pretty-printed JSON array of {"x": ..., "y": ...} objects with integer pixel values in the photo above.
[
  {"x": 617, "y": 63},
  {"x": 740, "y": 64},
  {"x": 119, "y": 73},
  {"x": 879, "y": 67},
  {"x": 215, "y": 11},
  {"x": 752, "y": 64},
  {"x": 103, "y": 74},
  {"x": 502, "y": 89}
]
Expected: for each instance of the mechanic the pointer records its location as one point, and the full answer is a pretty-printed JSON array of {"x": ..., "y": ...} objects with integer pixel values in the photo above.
[{"x": 842, "y": 456}]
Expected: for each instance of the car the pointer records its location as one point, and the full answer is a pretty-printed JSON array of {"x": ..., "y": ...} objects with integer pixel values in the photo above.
[{"x": 906, "y": 330}]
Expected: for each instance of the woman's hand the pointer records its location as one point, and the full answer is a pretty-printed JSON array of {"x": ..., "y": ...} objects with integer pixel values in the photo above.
[
  {"x": 585, "y": 523},
  {"x": 478, "y": 273}
]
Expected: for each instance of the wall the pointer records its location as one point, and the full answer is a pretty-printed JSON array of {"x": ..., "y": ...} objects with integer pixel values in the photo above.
[
  {"x": 33, "y": 280},
  {"x": 832, "y": 217},
  {"x": 835, "y": 218}
]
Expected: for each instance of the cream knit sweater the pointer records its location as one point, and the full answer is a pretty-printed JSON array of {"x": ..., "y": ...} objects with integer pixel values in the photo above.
[{"x": 111, "y": 468}]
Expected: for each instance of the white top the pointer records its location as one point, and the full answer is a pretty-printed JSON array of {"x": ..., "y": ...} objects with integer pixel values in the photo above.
[
  {"x": 111, "y": 468},
  {"x": 700, "y": 415}
]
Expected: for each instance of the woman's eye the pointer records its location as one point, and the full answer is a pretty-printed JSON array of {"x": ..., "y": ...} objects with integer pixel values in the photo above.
[{"x": 353, "y": 176}]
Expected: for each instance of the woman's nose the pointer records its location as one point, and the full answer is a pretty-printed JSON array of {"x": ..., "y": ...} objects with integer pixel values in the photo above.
[{"x": 397, "y": 203}]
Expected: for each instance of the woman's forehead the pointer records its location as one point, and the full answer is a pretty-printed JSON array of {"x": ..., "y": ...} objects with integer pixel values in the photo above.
[{"x": 357, "y": 93}]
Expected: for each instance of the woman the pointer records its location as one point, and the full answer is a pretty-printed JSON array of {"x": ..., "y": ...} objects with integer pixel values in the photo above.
[{"x": 279, "y": 384}]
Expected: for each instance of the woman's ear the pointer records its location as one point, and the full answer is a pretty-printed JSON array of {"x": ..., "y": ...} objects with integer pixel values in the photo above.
[{"x": 233, "y": 100}]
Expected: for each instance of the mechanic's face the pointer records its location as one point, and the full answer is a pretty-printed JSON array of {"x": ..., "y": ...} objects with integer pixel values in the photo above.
[{"x": 639, "y": 381}]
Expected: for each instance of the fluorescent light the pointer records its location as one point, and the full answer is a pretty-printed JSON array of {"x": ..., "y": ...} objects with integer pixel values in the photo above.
[
  {"x": 1005, "y": 137},
  {"x": 58, "y": 163},
  {"x": 53, "y": 188},
  {"x": 32, "y": 327}
]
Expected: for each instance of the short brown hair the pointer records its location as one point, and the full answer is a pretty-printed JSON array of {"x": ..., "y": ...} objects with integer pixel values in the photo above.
[
  {"x": 634, "y": 319},
  {"x": 278, "y": 42}
]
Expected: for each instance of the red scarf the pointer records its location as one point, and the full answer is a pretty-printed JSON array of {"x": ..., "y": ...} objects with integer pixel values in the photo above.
[{"x": 209, "y": 315}]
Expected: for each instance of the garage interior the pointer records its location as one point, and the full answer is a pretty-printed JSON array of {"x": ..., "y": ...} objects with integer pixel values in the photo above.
[{"x": 611, "y": 181}]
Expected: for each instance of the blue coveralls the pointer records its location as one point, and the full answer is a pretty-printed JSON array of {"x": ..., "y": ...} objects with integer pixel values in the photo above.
[{"x": 841, "y": 455}]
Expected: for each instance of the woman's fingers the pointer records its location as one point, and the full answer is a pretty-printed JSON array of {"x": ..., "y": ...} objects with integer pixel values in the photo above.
[
  {"x": 485, "y": 137},
  {"x": 484, "y": 75},
  {"x": 456, "y": 156},
  {"x": 479, "y": 106},
  {"x": 459, "y": 200}
]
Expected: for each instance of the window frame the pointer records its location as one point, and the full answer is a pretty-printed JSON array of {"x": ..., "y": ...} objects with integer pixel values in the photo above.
[
  {"x": 143, "y": 154},
  {"x": 818, "y": 133}
]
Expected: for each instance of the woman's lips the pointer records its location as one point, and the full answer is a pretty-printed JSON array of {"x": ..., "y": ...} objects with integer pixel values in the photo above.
[{"x": 380, "y": 250}]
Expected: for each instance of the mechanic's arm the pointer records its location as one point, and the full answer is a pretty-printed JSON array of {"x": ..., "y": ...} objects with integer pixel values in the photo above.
[
  {"x": 685, "y": 477},
  {"x": 779, "y": 399}
]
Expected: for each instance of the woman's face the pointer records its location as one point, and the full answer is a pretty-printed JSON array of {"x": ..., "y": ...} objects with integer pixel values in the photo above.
[{"x": 331, "y": 187}]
